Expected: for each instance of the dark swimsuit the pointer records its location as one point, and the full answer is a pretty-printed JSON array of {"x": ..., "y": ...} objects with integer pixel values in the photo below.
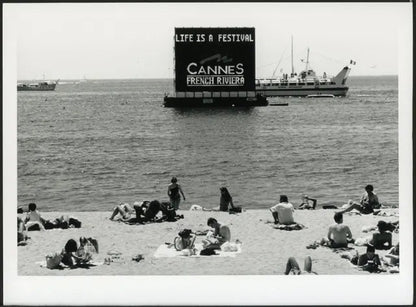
[{"x": 174, "y": 193}]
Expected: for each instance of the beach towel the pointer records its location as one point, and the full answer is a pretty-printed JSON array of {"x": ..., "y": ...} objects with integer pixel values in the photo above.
[
  {"x": 290, "y": 227},
  {"x": 362, "y": 241},
  {"x": 166, "y": 251},
  {"x": 386, "y": 213}
]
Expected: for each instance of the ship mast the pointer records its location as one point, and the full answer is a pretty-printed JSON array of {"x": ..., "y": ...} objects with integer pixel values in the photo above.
[
  {"x": 293, "y": 70},
  {"x": 307, "y": 60}
]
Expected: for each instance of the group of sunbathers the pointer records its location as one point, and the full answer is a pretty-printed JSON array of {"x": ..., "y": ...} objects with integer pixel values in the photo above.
[{"x": 339, "y": 235}]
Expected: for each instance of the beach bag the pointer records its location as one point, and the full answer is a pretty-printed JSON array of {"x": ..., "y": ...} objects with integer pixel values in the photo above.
[
  {"x": 207, "y": 252},
  {"x": 235, "y": 210},
  {"x": 53, "y": 261}
]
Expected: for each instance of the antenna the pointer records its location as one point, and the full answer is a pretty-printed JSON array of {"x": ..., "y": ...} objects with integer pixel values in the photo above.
[
  {"x": 307, "y": 60},
  {"x": 293, "y": 70}
]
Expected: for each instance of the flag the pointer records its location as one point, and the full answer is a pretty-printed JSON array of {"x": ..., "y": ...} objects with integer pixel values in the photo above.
[{"x": 353, "y": 62}]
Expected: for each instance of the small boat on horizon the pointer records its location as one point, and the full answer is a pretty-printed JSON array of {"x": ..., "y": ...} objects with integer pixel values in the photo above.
[{"x": 38, "y": 86}]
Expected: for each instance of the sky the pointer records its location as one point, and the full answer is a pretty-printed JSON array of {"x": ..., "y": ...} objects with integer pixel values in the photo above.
[{"x": 135, "y": 40}]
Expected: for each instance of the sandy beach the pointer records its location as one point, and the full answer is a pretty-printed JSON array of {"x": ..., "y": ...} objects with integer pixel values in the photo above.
[{"x": 265, "y": 250}]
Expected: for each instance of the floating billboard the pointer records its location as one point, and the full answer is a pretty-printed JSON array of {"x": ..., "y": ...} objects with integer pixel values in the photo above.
[{"x": 214, "y": 59}]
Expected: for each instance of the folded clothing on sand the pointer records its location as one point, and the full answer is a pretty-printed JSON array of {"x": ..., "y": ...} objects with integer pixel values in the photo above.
[{"x": 290, "y": 227}]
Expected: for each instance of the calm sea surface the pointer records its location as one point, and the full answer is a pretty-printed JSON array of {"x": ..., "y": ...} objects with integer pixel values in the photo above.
[{"x": 88, "y": 146}]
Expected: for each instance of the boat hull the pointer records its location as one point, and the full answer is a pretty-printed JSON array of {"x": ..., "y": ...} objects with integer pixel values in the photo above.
[
  {"x": 49, "y": 87},
  {"x": 273, "y": 91},
  {"x": 217, "y": 102}
]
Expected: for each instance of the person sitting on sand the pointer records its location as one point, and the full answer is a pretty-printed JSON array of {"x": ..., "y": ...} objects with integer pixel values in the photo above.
[
  {"x": 339, "y": 235},
  {"x": 392, "y": 258},
  {"x": 368, "y": 202},
  {"x": 382, "y": 239},
  {"x": 307, "y": 203},
  {"x": 69, "y": 257},
  {"x": 369, "y": 261},
  {"x": 225, "y": 199},
  {"x": 292, "y": 267},
  {"x": 33, "y": 220},
  {"x": 283, "y": 211},
  {"x": 124, "y": 210},
  {"x": 221, "y": 235},
  {"x": 21, "y": 231},
  {"x": 173, "y": 192}
]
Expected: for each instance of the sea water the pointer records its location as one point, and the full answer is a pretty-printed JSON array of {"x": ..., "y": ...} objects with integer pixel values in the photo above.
[{"x": 88, "y": 146}]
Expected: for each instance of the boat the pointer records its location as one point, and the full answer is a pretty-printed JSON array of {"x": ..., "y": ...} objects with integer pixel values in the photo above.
[
  {"x": 37, "y": 86},
  {"x": 305, "y": 83}
]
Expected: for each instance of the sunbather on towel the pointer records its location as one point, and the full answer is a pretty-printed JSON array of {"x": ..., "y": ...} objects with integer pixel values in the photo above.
[
  {"x": 221, "y": 235},
  {"x": 124, "y": 210},
  {"x": 339, "y": 235},
  {"x": 292, "y": 267},
  {"x": 368, "y": 202}
]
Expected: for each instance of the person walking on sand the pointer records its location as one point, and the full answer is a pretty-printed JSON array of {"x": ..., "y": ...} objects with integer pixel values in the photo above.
[
  {"x": 225, "y": 199},
  {"x": 283, "y": 211},
  {"x": 173, "y": 192},
  {"x": 368, "y": 202},
  {"x": 339, "y": 235}
]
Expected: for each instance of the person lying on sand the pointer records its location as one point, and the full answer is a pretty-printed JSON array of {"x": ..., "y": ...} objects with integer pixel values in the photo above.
[
  {"x": 339, "y": 235},
  {"x": 292, "y": 267},
  {"x": 307, "y": 203},
  {"x": 33, "y": 220},
  {"x": 368, "y": 202},
  {"x": 221, "y": 235},
  {"x": 382, "y": 239},
  {"x": 283, "y": 211},
  {"x": 124, "y": 210}
]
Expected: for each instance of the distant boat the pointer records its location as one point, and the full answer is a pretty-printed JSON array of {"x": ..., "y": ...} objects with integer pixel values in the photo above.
[
  {"x": 38, "y": 86},
  {"x": 306, "y": 83}
]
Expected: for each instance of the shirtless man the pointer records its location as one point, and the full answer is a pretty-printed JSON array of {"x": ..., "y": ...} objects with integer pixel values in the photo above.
[
  {"x": 339, "y": 235},
  {"x": 221, "y": 234}
]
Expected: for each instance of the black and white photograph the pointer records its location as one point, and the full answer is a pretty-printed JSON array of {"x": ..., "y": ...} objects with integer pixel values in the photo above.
[{"x": 207, "y": 153}]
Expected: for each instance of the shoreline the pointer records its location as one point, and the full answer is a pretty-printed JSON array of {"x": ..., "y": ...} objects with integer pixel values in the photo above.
[{"x": 265, "y": 250}]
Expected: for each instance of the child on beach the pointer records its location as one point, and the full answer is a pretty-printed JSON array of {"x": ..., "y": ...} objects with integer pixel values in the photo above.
[
  {"x": 368, "y": 202},
  {"x": 369, "y": 261},
  {"x": 33, "y": 220},
  {"x": 307, "y": 203},
  {"x": 292, "y": 267},
  {"x": 221, "y": 235},
  {"x": 173, "y": 192},
  {"x": 382, "y": 239},
  {"x": 339, "y": 235},
  {"x": 283, "y": 211}
]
